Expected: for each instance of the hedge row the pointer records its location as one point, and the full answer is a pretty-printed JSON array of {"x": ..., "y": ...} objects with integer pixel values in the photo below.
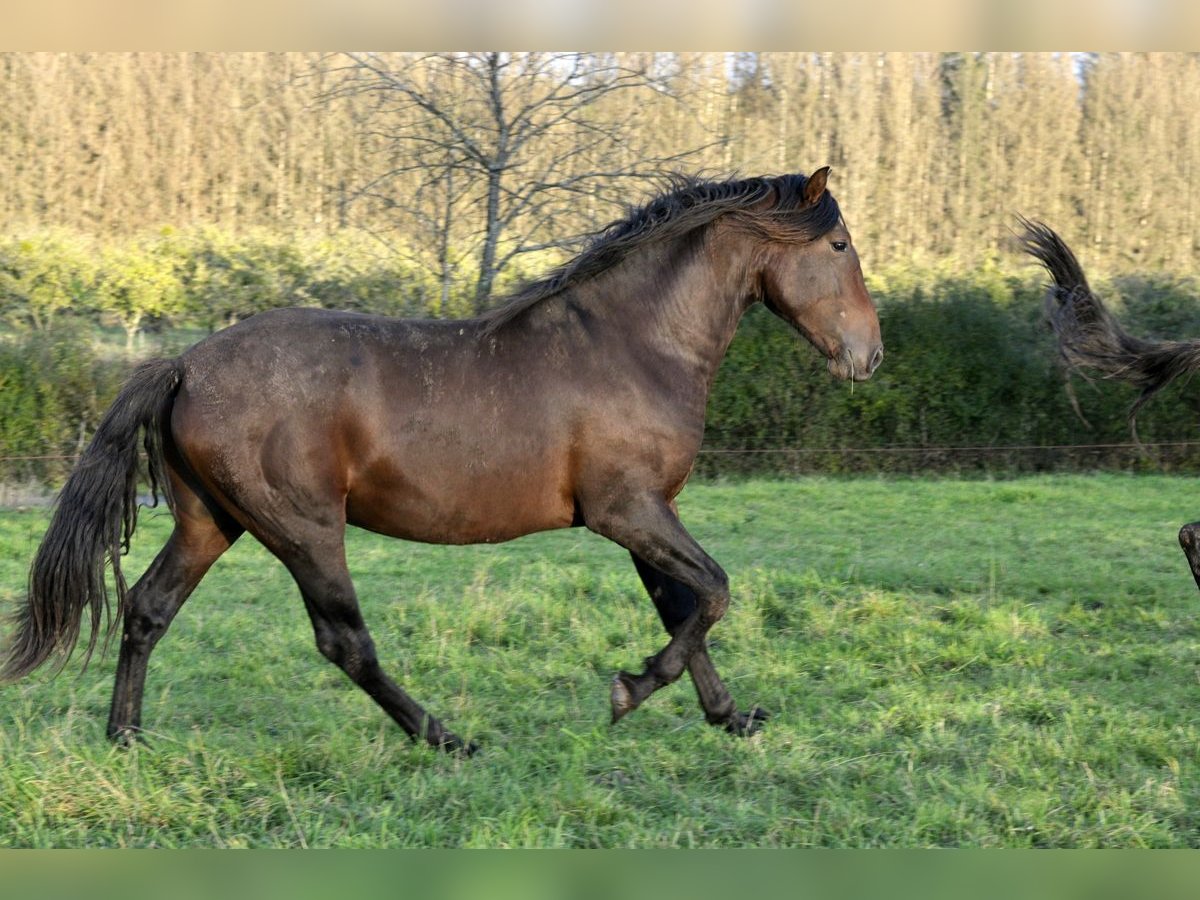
[
  {"x": 969, "y": 365},
  {"x": 206, "y": 278},
  {"x": 54, "y": 386}
]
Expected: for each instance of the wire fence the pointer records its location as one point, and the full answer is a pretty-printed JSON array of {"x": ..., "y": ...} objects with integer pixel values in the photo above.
[
  {"x": 1181, "y": 457},
  {"x": 33, "y": 479},
  {"x": 1125, "y": 446}
]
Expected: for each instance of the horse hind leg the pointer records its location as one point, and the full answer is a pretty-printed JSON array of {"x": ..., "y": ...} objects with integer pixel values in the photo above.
[
  {"x": 675, "y": 602},
  {"x": 1189, "y": 540},
  {"x": 343, "y": 638},
  {"x": 201, "y": 535}
]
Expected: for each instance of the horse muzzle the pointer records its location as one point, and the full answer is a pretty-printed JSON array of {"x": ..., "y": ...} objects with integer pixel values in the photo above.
[{"x": 851, "y": 366}]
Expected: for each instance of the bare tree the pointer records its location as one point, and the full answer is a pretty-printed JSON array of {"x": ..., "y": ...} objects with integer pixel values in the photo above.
[{"x": 491, "y": 151}]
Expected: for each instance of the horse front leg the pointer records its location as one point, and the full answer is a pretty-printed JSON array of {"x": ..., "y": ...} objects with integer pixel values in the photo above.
[
  {"x": 649, "y": 529},
  {"x": 675, "y": 602},
  {"x": 342, "y": 637}
]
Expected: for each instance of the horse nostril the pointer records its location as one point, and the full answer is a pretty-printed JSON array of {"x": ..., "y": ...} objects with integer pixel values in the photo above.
[{"x": 876, "y": 358}]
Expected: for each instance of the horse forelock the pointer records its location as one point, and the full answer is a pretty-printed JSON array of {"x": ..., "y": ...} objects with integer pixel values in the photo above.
[
  {"x": 684, "y": 205},
  {"x": 790, "y": 219}
]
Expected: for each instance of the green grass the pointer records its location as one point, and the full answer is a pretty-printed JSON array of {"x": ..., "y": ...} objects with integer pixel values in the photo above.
[{"x": 949, "y": 663}]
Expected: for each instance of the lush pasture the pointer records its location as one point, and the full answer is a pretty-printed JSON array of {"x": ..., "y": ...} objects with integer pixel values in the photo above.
[{"x": 949, "y": 663}]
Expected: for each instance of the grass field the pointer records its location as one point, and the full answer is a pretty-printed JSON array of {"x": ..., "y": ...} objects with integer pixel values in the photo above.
[{"x": 949, "y": 663}]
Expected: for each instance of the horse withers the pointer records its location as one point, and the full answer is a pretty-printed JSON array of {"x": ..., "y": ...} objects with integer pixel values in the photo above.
[{"x": 580, "y": 402}]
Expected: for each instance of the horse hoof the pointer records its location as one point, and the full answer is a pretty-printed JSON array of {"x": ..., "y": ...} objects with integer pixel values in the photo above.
[
  {"x": 621, "y": 696},
  {"x": 126, "y": 736},
  {"x": 456, "y": 746},
  {"x": 745, "y": 724},
  {"x": 467, "y": 750}
]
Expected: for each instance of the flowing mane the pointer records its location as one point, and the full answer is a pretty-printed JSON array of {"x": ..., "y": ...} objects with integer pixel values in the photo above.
[{"x": 687, "y": 204}]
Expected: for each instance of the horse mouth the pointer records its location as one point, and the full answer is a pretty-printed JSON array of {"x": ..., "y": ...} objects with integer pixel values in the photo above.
[
  {"x": 842, "y": 368},
  {"x": 840, "y": 363}
]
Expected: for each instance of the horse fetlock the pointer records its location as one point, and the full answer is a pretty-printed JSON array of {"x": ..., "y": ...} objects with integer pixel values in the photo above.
[
  {"x": 654, "y": 667},
  {"x": 628, "y": 692},
  {"x": 723, "y": 715},
  {"x": 666, "y": 666}
]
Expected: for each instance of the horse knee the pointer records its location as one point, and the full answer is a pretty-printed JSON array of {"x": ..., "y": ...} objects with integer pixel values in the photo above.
[{"x": 329, "y": 646}]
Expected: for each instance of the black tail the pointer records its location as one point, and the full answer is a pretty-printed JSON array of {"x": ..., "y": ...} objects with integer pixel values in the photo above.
[
  {"x": 1089, "y": 336},
  {"x": 93, "y": 522}
]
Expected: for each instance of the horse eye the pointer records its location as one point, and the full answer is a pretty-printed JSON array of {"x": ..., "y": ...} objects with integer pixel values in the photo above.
[{"x": 840, "y": 246}]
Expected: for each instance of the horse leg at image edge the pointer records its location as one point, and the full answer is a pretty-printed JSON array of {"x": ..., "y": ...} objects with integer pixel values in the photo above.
[
  {"x": 1189, "y": 539},
  {"x": 675, "y": 601}
]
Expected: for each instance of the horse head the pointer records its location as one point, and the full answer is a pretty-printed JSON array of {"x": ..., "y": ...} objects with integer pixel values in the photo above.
[{"x": 816, "y": 285}]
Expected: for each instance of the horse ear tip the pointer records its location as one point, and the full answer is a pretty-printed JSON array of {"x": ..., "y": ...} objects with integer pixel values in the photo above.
[{"x": 815, "y": 184}]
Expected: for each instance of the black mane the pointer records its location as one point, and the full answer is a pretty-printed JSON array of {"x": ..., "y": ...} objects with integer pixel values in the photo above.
[{"x": 687, "y": 204}]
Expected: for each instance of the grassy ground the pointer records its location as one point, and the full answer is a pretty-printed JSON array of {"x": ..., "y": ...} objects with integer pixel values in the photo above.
[{"x": 949, "y": 663}]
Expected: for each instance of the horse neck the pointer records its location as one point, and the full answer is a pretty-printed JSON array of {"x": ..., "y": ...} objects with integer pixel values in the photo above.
[{"x": 683, "y": 299}]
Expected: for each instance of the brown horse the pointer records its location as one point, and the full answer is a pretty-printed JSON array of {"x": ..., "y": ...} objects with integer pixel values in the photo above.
[
  {"x": 1090, "y": 337},
  {"x": 579, "y": 402}
]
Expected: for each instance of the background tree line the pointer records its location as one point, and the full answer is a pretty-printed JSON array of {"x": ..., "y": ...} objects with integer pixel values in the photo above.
[
  {"x": 176, "y": 193},
  {"x": 932, "y": 151}
]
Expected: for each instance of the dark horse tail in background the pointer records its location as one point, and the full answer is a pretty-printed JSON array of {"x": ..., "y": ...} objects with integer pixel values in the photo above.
[
  {"x": 580, "y": 402},
  {"x": 1090, "y": 337}
]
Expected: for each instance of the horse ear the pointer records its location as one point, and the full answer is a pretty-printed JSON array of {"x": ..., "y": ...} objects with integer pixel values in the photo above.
[{"x": 815, "y": 186}]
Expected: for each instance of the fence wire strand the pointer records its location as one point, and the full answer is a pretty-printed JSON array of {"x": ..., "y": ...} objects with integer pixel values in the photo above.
[{"x": 894, "y": 448}]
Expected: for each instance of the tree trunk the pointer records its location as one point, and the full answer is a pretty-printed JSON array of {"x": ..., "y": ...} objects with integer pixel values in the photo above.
[{"x": 487, "y": 257}]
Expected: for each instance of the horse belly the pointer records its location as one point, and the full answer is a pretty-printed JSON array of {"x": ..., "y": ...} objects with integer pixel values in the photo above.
[{"x": 441, "y": 504}]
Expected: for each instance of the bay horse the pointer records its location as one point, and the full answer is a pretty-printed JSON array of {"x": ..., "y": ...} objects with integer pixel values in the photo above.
[
  {"x": 579, "y": 402},
  {"x": 1090, "y": 337}
]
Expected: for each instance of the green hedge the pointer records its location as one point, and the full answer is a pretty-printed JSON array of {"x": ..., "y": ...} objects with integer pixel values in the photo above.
[
  {"x": 54, "y": 386},
  {"x": 207, "y": 278},
  {"x": 969, "y": 365}
]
